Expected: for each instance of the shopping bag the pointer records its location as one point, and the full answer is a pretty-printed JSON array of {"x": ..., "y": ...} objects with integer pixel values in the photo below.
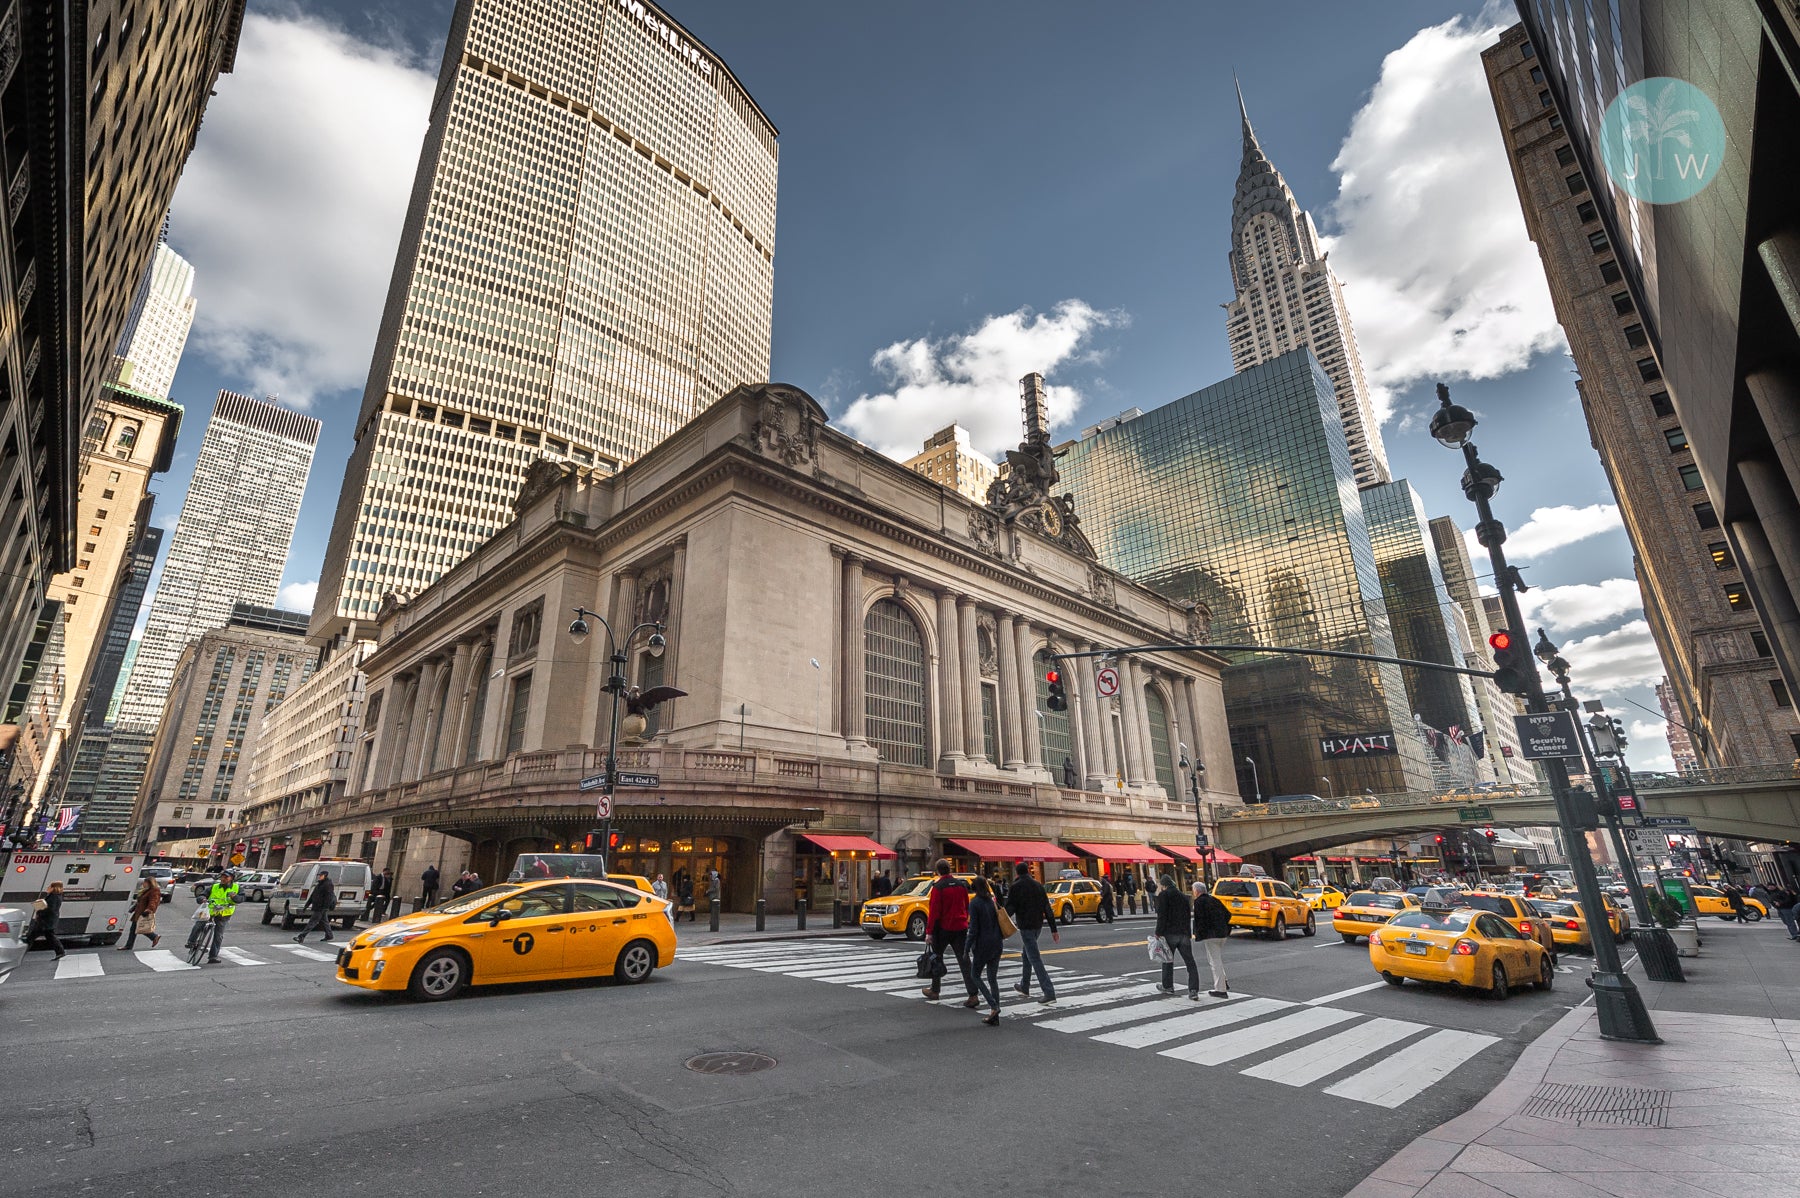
[
  {"x": 1159, "y": 950},
  {"x": 146, "y": 924},
  {"x": 1007, "y": 926}
]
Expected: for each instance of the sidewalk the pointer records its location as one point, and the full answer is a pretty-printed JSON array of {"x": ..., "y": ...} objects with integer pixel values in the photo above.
[{"x": 1709, "y": 1113}]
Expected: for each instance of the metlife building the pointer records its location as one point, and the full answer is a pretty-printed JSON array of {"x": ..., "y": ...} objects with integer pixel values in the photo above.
[{"x": 1242, "y": 497}]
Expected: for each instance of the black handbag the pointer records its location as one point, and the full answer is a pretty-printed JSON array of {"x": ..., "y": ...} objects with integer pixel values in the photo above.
[{"x": 930, "y": 966}]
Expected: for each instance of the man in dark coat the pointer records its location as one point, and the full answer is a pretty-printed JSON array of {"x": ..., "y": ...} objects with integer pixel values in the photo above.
[
  {"x": 1174, "y": 923},
  {"x": 1030, "y": 909},
  {"x": 321, "y": 901},
  {"x": 1106, "y": 899},
  {"x": 429, "y": 882}
]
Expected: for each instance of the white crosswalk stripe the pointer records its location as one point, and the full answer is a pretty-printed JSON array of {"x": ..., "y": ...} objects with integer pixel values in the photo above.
[
  {"x": 311, "y": 954},
  {"x": 1124, "y": 1013},
  {"x": 238, "y": 956},
  {"x": 86, "y": 965},
  {"x": 163, "y": 960}
]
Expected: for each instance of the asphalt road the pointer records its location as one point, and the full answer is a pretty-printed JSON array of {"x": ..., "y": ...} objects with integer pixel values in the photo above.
[{"x": 266, "y": 1076}]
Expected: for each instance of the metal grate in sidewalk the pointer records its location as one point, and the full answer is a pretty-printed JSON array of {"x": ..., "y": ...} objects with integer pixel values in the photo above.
[{"x": 1600, "y": 1106}]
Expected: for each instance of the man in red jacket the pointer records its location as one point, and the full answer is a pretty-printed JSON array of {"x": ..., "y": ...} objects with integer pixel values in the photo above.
[{"x": 947, "y": 926}]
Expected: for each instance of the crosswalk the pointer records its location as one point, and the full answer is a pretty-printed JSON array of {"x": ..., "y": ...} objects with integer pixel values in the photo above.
[
  {"x": 80, "y": 966},
  {"x": 1345, "y": 1054}
]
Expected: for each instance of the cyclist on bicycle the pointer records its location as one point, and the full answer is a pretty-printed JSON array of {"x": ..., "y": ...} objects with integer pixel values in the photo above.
[{"x": 221, "y": 905}]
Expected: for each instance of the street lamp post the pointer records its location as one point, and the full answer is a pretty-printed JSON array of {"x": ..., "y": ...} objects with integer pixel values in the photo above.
[
  {"x": 1330, "y": 790},
  {"x": 616, "y": 687},
  {"x": 1255, "y": 780},
  {"x": 1201, "y": 843},
  {"x": 1621, "y": 1009}
]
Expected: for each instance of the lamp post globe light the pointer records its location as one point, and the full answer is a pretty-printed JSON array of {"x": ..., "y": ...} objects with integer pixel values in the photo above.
[
  {"x": 639, "y": 704},
  {"x": 1621, "y": 1009}
]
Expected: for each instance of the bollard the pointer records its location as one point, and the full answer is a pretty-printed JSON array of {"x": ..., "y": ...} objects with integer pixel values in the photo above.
[
  {"x": 800, "y": 913},
  {"x": 394, "y": 905},
  {"x": 762, "y": 912},
  {"x": 712, "y": 915},
  {"x": 837, "y": 914}
]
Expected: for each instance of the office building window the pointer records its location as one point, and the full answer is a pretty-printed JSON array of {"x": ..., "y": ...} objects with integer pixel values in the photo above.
[
  {"x": 1659, "y": 403},
  {"x": 1527, "y": 50},
  {"x": 1676, "y": 438},
  {"x": 1690, "y": 477},
  {"x": 1721, "y": 555},
  {"x": 1760, "y": 643},
  {"x": 1779, "y": 689},
  {"x": 1609, "y": 271},
  {"x": 1587, "y": 212},
  {"x": 1648, "y": 370},
  {"x": 1537, "y": 74},
  {"x": 1556, "y": 120},
  {"x": 1544, "y": 100},
  {"x": 1705, "y": 516},
  {"x": 1622, "y": 304},
  {"x": 1635, "y": 337},
  {"x": 1576, "y": 183},
  {"x": 1737, "y": 598}
]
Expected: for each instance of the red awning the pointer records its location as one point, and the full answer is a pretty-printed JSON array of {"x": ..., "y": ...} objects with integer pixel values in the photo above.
[
  {"x": 1338, "y": 860},
  {"x": 1227, "y": 857},
  {"x": 1374, "y": 860},
  {"x": 1129, "y": 853},
  {"x": 1308, "y": 857},
  {"x": 1182, "y": 851},
  {"x": 848, "y": 844},
  {"x": 1012, "y": 850}
]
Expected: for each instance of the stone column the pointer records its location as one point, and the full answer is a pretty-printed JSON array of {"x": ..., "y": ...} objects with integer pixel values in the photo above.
[
  {"x": 1767, "y": 570},
  {"x": 393, "y": 701},
  {"x": 480, "y": 661},
  {"x": 1191, "y": 689},
  {"x": 1012, "y": 742},
  {"x": 853, "y": 668},
  {"x": 442, "y": 750},
  {"x": 1184, "y": 729},
  {"x": 1091, "y": 710},
  {"x": 1777, "y": 397},
  {"x": 1775, "y": 511},
  {"x": 405, "y": 729},
  {"x": 671, "y": 658},
  {"x": 974, "y": 742},
  {"x": 1033, "y": 736},
  {"x": 1131, "y": 710},
  {"x": 425, "y": 710},
  {"x": 950, "y": 684}
]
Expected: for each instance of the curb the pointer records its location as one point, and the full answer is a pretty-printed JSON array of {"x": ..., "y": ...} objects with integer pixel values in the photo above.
[{"x": 1412, "y": 1168}]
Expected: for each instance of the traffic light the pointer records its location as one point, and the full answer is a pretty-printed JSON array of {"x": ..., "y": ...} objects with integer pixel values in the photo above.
[
  {"x": 1490, "y": 834},
  {"x": 1056, "y": 700},
  {"x": 596, "y": 840},
  {"x": 1440, "y": 838},
  {"x": 1510, "y": 662},
  {"x": 1618, "y": 728}
]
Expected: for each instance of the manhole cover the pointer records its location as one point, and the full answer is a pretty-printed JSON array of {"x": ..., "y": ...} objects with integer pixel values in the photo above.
[
  {"x": 1607, "y": 1106},
  {"x": 731, "y": 1062}
]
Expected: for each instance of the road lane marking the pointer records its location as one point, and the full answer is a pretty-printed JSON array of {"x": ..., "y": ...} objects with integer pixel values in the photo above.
[
  {"x": 801, "y": 966},
  {"x": 871, "y": 974},
  {"x": 1412, "y": 1069},
  {"x": 1306, "y": 1065},
  {"x": 1088, "y": 948},
  {"x": 1088, "y": 1021},
  {"x": 1204, "y": 1020},
  {"x": 238, "y": 956},
  {"x": 312, "y": 954},
  {"x": 162, "y": 960},
  {"x": 1331, "y": 998},
  {"x": 1091, "y": 998},
  {"x": 85, "y": 966},
  {"x": 1219, "y": 1049}
]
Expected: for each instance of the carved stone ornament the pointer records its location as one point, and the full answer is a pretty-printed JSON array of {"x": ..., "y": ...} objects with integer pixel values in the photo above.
[
  {"x": 787, "y": 424},
  {"x": 986, "y": 637},
  {"x": 541, "y": 477},
  {"x": 653, "y": 596},
  {"x": 1199, "y": 624},
  {"x": 391, "y": 602},
  {"x": 1100, "y": 586},
  {"x": 984, "y": 530}
]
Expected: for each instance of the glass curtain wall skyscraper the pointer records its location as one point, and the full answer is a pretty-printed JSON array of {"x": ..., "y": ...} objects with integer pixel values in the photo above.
[
  {"x": 231, "y": 543},
  {"x": 587, "y": 262},
  {"x": 1287, "y": 296},
  {"x": 1242, "y": 497}
]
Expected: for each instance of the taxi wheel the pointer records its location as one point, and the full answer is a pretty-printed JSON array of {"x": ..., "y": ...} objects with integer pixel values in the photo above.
[
  {"x": 1546, "y": 973},
  {"x": 915, "y": 926},
  {"x": 268, "y": 916},
  {"x": 1312, "y": 925},
  {"x": 442, "y": 974},
  {"x": 1348, "y": 938},
  {"x": 635, "y": 963},
  {"x": 1068, "y": 917},
  {"x": 1279, "y": 932},
  {"x": 1393, "y": 979},
  {"x": 1752, "y": 914},
  {"x": 1498, "y": 991}
]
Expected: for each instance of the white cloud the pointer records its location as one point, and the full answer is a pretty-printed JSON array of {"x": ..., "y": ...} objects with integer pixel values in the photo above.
[
  {"x": 1609, "y": 662},
  {"x": 1567, "y": 608},
  {"x": 1649, "y": 747},
  {"x": 972, "y": 379},
  {"x": 1441, "y": 279},
  {"x": 298, "y": 596},
  {"x": 1550, "y": 528},
  {"x": 290, "y": 208}
]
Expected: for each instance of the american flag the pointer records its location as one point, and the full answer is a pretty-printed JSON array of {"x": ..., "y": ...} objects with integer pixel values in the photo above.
[
  {"x": 65, "y": 819},
  {"x": 1456, "y": 734}
]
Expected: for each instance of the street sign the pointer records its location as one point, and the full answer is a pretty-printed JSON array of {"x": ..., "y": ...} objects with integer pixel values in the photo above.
[
  {"x": 1678, "y": 823},
  {"x": 592, "y": 782},
  {"x": 1106, "y": 681},
  {"x": 1200, "y": 840},
  {"x": 375, "y": 833},
  {"x": 1640, "y": 844},
  {"x": 1546, "y": 735},
  {"x": 603, "y": 807},
  {"x": 1475, "y": 815},
  {"x": 626, "y": 779},
  {"x": 237, "y": 858}
]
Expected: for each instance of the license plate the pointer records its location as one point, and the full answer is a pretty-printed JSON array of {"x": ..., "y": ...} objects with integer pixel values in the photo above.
[{"x": 1415, "y": 949}]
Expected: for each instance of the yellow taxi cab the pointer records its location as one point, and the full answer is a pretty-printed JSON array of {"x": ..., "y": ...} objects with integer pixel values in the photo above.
[
  {"x": 1567, "y": 923},
  {"x": 1265, "y": 905},
  {"x": 904, "y": 909},
  {"x": 1322, "y": 898},
  {"x": 1518, "y": 912},
  {"x": 1365, "y": 910},
  {"x": 1464, "y": 947},
  {"x": 1710, "y": 900},
  {"x": 1070, "y": 897},
  {"x": 515, "y": 932}
]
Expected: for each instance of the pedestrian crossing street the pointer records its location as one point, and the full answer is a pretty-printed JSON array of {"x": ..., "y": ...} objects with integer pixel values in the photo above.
[
  {"x": 1348, "y": 1054},
  {"x": 106, "y": 962}
]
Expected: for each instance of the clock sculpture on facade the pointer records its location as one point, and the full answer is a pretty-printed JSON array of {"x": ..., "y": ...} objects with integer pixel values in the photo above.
[{"x": 1022, "y": 497}]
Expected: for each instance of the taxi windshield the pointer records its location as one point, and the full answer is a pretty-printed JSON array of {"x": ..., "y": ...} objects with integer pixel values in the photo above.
[
  {"x": 915, "y": 886},
  {"x": 1436, "y": 921},
  {"x": 474, "y": 899}
]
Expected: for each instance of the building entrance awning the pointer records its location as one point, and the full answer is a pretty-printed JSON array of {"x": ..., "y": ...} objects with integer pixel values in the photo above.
[
  {"x": 1183, "y": 851},
  {"x": 1131, "y": 854},
  {"x": 1012, "y": 850},
  {"x": 835, "y": 843}
]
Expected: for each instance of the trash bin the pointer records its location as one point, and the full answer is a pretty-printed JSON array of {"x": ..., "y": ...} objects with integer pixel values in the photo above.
[{"x": 1656, "y": 949}]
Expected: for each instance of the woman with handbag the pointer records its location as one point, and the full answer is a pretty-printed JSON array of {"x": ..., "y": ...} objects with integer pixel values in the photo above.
[
  {"x": 143, "y": 914},
  {"x": 48, "y": 910},
  {"x": 986, "y": 942},
  {"x": 1174, "y": 917}
]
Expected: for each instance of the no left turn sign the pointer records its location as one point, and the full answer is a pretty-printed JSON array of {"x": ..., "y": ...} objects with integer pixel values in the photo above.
[{"x": 1106, "y": 681}]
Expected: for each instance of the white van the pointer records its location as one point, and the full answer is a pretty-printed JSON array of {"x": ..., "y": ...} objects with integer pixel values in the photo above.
[
  {"x": 96, "y": 889},
  {"x": 287, "y": 901}
]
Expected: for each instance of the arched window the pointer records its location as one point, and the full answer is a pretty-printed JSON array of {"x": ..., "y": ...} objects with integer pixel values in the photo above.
[
  {"x": 1157, "y": 713},
  {"x": 1055, "y": 739},
  {"x": 894, "y": 685}
]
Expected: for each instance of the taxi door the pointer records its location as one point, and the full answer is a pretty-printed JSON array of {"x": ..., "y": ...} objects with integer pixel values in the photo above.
[
  {"x": 601, "y": 922},
  {"x": 525, "y": 946},
  {"x": 1087, "y": 898},
  {"x": 1509, "y": 943}
]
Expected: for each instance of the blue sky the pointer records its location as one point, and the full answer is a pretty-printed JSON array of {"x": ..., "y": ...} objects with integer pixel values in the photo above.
[{"x": 968, "y": 192}]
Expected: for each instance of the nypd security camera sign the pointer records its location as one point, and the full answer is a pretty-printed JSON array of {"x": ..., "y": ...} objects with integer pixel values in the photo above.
[{"x": 1547, "y": 734}]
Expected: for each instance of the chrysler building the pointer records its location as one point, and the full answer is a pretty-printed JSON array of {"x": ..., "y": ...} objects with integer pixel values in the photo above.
[{"x": 1287, "y": 297}]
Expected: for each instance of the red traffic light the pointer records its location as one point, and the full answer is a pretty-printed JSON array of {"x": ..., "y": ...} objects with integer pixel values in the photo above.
[
  {"x": 612, "y": 842},
  {"x": 1440, "y": 840},
  {"x": 1052, "y": 677},
  {"x": 1500, "y": 640}
]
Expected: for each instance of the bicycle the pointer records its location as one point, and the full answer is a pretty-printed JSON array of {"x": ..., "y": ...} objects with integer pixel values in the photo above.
[{"x": 203, "y": 936}]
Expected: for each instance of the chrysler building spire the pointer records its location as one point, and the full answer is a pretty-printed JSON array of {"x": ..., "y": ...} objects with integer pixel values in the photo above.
[{"x": 1288, "y": 296}]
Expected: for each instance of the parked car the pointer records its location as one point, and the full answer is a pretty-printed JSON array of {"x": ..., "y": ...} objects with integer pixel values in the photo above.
[
  {"x": 164, "y": 876},
  {"x": 15, "y": 925},
  {"x": 256, "y": 885},
  {"x": 287, "y": 901}
]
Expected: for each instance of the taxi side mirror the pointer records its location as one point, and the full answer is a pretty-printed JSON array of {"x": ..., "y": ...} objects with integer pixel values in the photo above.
[{"x": 500, "y": 915}]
